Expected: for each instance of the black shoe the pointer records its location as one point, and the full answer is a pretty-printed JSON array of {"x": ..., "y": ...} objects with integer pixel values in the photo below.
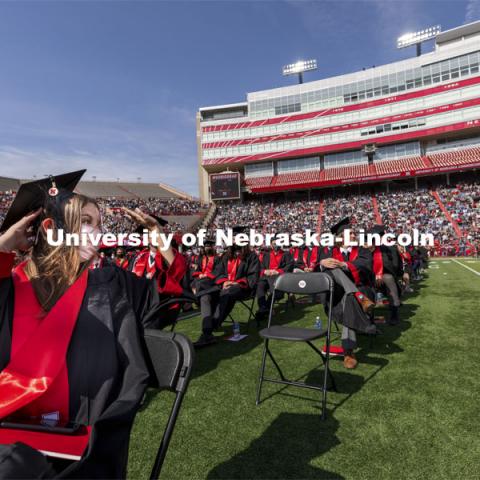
[
  {"x": 205, "y": 340},
  {"x": 394, "y": 318},
  {"x": 261, "y": 315}
]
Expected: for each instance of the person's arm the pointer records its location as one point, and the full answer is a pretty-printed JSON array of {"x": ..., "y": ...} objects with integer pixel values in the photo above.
[
  {"x": 361, "y": 269},
  {"x": 17, "y": 237}
]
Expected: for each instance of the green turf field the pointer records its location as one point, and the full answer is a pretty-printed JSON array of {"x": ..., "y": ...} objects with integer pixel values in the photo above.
[{"x": 410, "y": 410}]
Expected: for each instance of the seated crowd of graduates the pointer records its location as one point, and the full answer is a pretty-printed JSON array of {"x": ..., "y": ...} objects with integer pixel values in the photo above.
[{"x": 216, "y": 278}]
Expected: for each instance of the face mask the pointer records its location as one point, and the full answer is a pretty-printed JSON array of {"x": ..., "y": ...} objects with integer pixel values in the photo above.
[{"x": 88, "y": 251}]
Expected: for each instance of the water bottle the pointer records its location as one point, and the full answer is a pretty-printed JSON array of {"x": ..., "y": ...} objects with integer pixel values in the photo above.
[
  {"x": 236, "y": 329},
  {"x": 318, "y": 323}
]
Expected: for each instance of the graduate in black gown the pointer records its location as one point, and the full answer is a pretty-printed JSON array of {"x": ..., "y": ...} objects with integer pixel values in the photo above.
[
  {"x": 351, "y": 268},
  {"x": 236, "y": 277},
  {"x": 388, "y": 269},
  {"x": 203, "y": 277},
  {"x": 71, "y": 337},
  {"x": 275, "y": 261}
]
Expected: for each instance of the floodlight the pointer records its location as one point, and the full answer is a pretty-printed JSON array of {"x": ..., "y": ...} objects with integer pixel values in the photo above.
[
  {"x": 416, "y": 38},
  {"x": 299, "y": 67}
]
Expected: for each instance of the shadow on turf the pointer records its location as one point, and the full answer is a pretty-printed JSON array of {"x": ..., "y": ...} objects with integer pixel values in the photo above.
[{"x": 285, "y": 450}]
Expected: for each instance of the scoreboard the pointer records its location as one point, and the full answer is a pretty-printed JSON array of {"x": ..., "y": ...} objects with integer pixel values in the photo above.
[{"x": 225, "y": 186}]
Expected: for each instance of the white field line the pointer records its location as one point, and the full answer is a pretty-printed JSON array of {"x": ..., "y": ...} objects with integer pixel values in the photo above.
[{"x": 468, "y": 268}]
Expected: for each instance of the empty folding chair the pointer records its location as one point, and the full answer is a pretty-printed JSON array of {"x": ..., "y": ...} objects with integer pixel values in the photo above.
[
  {"x": 299, "y": 283},
  {"x": 171, "y": 358}
]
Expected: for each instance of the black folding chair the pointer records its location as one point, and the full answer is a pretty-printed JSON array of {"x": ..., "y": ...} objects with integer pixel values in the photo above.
[
  {"x": 157, "y": 311},
  {"x": 171, "y": 357},
  {"x": 248, "y": 304},
  {"x": 299, "y": 283}
]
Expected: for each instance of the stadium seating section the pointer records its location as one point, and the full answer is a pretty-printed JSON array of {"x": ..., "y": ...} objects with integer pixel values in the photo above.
[
  {"x": 455, "y": 157},
  {"x": 405, "y": 165}
]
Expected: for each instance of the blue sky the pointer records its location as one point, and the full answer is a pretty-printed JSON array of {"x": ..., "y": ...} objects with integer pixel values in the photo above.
[{"x": 113, "y": 86}]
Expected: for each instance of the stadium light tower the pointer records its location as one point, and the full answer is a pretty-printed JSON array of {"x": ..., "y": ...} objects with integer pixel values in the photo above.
[
  {"x": 299, "y": 67},
  {"x": 417, "y": 38}
]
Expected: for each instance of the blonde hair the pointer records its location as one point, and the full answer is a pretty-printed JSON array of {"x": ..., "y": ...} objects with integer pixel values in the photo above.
[{"x": 52, "y": 269}]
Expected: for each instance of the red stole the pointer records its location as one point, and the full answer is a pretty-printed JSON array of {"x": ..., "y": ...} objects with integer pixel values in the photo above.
[
  {"x": 378, "y": 262},
  {"x": 336, "y": 253},
  {"x": 143, "y": 265},
  {"x": 35, "y": 381},
  {"x": 207, "y": 264},
  {"x": 296, "y": 254},
  {"x": 275, "y": 259},
  {"x": 232, "y": 267},
  {"x": 312, "y": 261},
  {"x": 122, "y": 263}
]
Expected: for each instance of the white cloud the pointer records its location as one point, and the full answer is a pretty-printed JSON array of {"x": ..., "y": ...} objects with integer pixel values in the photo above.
[
  {"x": 46, "y": 141},
  {"x": 472, "y": 12}
]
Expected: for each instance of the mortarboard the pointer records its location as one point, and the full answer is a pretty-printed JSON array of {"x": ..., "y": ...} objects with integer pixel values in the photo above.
[
  {"x": 160, "y": 220},
  {"x": 47, "y": 192},
  {"x": 339, "y": 227},
  {"x": 380, "y": 229},
  {"x": 239, "y": 229}
]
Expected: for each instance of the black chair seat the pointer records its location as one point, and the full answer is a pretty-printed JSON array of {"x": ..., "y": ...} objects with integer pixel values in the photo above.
[{"x": 292, "y": 334}]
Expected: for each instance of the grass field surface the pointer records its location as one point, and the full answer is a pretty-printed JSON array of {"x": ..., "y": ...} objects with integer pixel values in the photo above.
[{"x": 410, "y": 409}]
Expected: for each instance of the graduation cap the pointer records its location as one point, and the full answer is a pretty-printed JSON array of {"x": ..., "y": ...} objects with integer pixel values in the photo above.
[
  {"x": 239, "y": 229},
  {"x": 50, "y": 193},
  {"x": 339, "y": 227},
  {"x": 380, "y": 229},
  {"x": 160, "y": 220}
]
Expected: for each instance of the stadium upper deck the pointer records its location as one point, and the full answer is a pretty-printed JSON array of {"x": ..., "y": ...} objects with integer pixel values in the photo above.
[{"x": 411, "y": 115}]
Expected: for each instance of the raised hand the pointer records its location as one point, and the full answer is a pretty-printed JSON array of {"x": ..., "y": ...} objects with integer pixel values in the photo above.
[
  {"x": 151, "y": 225},
  {"x": 19, "y": 236}
]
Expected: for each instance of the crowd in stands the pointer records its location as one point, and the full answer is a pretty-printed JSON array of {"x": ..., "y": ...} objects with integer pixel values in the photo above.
[
  {"x": 400, "y": 211},
  {"x": 463, "y": 204},
  {"x": 268, "y": 217},
  {"x": 406, "y": 210},
  {"x": 6, "y": 199},
  {"x": 162, "y": 206},
  {"x": 115, "y": 221},
  {"x": 359, "y": 207}
]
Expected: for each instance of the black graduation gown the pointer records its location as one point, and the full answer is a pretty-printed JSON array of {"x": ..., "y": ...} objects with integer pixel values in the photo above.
[
  {"x": 247, "y": 272},
  {"x": 285, "y": 265},
  {"x": 346, "y": 308},
  {"x": 202, "y": 285},
  {"x": 106, "y": 366},
  {"x": 392, "y": 262}
]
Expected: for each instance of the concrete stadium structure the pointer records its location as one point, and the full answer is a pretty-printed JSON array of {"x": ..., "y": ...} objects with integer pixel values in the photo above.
[{"x": 415, "y": 117}]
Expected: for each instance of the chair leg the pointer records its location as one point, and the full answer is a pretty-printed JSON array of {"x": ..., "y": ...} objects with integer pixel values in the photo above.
[
  {"x": 276, "y": 364},
  {"x": 262, "y": 371},
  {"x": 328, "y": 371}
]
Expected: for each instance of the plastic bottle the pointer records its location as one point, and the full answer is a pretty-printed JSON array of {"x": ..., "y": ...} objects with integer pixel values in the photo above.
[
  {"x": 318, "y": 323},
  {"x": 236, "y": 329}
]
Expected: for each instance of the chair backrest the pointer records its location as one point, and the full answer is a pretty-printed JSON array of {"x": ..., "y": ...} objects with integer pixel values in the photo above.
[
  {"x": 304, "y": 283},
  {"x": 171, "y": 357}
]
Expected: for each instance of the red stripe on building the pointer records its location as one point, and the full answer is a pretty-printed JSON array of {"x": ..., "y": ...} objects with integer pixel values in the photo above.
[
  {"x": 344, "y": 146},
  {"x": 347, "y": 108},
  {"x": 348, "y": 126}
]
